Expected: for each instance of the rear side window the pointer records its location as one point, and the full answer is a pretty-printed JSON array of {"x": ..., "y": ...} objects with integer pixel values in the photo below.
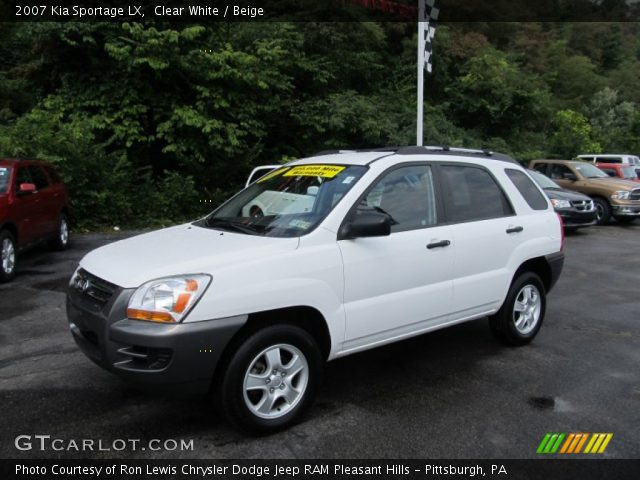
[
  {"x": 39, "y": 178},
  {"x": 609, "y": 159},
  {"x": 532, "y": 195},
  {"x": 471, "y": 193},
  {"x": 609, "y": 171}
]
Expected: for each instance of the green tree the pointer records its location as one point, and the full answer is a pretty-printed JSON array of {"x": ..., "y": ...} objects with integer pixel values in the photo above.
[{"x": 572, "y": 135}]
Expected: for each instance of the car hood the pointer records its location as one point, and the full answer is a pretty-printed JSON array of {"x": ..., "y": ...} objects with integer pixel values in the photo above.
[
  {"x": 618, "y": 183},
  {"x": 178, "y": 250},
  {"x": 564, "y": 194}
]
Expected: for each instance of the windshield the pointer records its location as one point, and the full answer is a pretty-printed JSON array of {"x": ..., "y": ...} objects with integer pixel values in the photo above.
[
  {"x": 589, "y": 171},
  {"x": 629, "y": 172},
  {"x": 288, "y": 202},
  {"x": 5, "y": 173},
  {"x": 543, "y": 180}
]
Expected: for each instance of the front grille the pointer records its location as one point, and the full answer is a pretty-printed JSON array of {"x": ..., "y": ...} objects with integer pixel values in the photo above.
[
  {"x": 583, "y": 205},
  {"x": 98, "y": 290},
  {"x": 635, "y": 194}
]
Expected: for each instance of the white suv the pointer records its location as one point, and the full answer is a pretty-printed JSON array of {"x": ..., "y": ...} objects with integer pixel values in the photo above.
[{"x": 350, "y": 251}]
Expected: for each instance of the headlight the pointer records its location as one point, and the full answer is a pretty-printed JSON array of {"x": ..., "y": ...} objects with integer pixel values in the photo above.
[
  {"x": 560, "y": 203},
  {"x": 621, "y": 195},
  {"x": 167, "y": 299}
]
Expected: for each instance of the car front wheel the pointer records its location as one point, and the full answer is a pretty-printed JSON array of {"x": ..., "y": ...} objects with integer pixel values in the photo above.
[
  {"x": 603, "y": 211},
  {"x": 271, "y": 378},
  {"x": 520, "y": 317},
  {"x": 8, "y": 256}
]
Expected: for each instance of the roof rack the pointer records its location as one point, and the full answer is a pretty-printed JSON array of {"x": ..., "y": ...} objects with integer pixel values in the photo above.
[
  {"x": 429, "y": 149},
  {"x": 446, "y": 150},
  {"x": 357, "y": 150}
]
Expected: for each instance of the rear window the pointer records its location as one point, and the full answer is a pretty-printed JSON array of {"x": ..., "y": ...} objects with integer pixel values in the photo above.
[
  {"x": 532, "y": 195},
  {"x": 5, "y": 173},
  {"x": 53, "y": 175}
]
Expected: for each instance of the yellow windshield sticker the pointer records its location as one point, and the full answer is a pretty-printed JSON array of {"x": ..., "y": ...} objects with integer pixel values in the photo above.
[
  {"x": 275, "y": 173},
  {"x": 324, "y": 171}
]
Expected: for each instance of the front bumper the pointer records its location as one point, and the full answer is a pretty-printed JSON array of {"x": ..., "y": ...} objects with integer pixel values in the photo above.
[
  {"x": 574, "y": 218},
  {"x": 148, "y": 353},
  {"x": 625, "y": 210}
]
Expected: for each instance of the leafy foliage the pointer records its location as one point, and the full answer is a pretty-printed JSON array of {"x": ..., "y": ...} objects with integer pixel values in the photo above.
[{"x": 146, "y": 122}]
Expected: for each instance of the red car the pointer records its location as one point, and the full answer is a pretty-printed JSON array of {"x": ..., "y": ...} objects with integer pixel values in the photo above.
[
  {"x": 620, "y": 170},
  {"x": 33, "y": 208}
]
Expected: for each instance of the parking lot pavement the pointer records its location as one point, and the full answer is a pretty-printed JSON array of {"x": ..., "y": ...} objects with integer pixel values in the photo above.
[{"x": 453, "y": 393}]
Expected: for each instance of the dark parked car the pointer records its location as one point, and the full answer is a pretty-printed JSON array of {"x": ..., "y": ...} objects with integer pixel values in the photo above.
[
  {"x": 577, "y": 210},
  {"x": 33, "y": 208}
]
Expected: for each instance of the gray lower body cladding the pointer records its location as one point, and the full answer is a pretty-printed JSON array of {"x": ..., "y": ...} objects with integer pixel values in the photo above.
[{"x": 148, "y": 353}]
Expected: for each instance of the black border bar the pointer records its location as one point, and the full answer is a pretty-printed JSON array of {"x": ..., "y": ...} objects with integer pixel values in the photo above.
[
  {"x": 543, "y": 468},
  {"x": 317, "y": 10}
]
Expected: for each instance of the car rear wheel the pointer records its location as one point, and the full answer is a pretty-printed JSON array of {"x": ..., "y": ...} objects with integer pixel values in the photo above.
[
  {"x": 520, "y": 317},
  {"x": 603, "y": 211},
  {"x": 271, "y": 378},
  {"x": 8, "y": 256},
  {"x": 61, "y": 239}
]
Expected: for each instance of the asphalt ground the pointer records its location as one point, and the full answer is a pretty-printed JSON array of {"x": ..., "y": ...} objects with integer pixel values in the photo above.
[{"x": 456, "y": 393}]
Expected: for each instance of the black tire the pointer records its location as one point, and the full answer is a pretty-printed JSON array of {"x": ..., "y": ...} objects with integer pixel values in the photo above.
[
  {"x": 7, "y": 245},
  {"x": 231, "y": 382},
  {"x": 60, "y": 241},
  {"x": 503, "y": 323},
  {"x": 625, "y": 220},
  {"x": 603, "y": 210}
]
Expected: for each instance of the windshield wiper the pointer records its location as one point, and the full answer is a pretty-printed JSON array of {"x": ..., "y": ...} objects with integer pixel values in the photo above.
[{"x": 232, "y": 226}]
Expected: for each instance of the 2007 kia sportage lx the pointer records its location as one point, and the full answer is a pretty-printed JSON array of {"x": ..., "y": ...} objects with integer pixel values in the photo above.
[{"x": 324, "y": 257}]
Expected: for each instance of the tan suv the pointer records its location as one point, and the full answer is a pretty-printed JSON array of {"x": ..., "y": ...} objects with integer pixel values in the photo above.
[{"x": 613, "y": 197}]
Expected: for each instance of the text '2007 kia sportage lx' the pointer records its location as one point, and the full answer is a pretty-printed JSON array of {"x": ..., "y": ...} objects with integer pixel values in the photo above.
[{"x": 323, "y": 257}]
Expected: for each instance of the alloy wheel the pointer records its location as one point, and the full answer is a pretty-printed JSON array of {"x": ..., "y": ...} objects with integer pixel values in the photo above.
[
  {"x": 64, "y": 231},
  {"x": 527, "y": 309},
  {"x": 8, "y": 256},
  {"x": 275, "y": 381}
]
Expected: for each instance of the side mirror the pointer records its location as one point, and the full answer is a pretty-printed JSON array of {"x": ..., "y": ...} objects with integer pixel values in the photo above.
[
  {"x": 366, "y": 224},
  {"x": 569, "y": 176},
  {"x": 26, "y": 188}
]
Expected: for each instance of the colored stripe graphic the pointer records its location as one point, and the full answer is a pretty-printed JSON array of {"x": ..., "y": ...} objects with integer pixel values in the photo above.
[
  {"x": 550, "y": 443},
  {"x": 573, "y": 443},
  {"x": 598, "y": 443},
  {"x": 567, "y": 443},
  {"x": 543, "y": 443}
]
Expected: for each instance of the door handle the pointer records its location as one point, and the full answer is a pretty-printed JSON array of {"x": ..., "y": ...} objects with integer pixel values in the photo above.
[
  {"x": 440, "y": 244},
  {"x": 515, "y": 229}
]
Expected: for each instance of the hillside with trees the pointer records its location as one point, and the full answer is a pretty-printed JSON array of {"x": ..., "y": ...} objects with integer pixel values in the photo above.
[{"x": 147, "y": 121}]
